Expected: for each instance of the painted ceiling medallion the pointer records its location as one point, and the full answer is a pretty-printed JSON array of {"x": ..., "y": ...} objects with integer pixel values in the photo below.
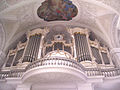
[{"x": 57, "y": 10}]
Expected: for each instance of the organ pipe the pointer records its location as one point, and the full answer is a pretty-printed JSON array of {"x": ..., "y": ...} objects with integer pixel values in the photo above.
[
  {"x": 58, "y": 46},
  {"x": 82, "y": 49},
  {"x": 18, "y": 56},
  {"x": 27, "y": 50},
  {"x": 105, "y": 58},
  {"x": 68, "y": 49},
  {"x": 49, "y": 49},
  {"x": 32, "y": 48},
  {"x": 9, "y": 61},
  {"x": 37, "y": 46},
  {"x": 96, "y": 54}
]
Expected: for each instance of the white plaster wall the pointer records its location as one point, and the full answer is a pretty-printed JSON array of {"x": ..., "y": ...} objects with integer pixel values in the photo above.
[
  {"x": 4, "y": 86},
  {"x": 54, "y": 86},
  {"x": 54, "y": 89}
]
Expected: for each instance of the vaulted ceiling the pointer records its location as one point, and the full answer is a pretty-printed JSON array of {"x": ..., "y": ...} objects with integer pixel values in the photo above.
[{"x": 18, "y": 16}]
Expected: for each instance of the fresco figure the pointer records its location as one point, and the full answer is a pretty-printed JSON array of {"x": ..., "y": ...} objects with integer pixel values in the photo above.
[{"x": 57, "y": 10}]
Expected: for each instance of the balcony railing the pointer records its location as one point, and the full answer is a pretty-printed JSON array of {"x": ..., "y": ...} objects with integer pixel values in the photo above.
[
  {"x": 102, "y": 72},
  {"x": 55, "y": 62},
  {"x": 63, "y": 63}
]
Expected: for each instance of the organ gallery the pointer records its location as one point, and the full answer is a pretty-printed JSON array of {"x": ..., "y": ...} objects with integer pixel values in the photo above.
[{"x": 71, "y": 43}]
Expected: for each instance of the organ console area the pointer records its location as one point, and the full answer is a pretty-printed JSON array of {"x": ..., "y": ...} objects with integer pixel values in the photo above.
[{"x": 74, "y": 43}]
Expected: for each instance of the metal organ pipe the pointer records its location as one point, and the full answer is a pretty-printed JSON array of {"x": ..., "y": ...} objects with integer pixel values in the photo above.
[
  {"x": 77, "y": 44},
  {"x": 18, "y": 56},
  {"x": 37, "y": 46},
  {"x": 82, "y": 49},
  {"x": 80, "y": 45},
  {"x": 26, "y": 55},
  {"x": 96, "y": 54},
  {"x": 9, "y": 61},
  {"x": 33, "y": 48},
  {"x": 87, "y": 48},
  {"x": 105, "y": 58},
  {"x": 83, "y": 45},
  {"x": 68, "y": 49}
]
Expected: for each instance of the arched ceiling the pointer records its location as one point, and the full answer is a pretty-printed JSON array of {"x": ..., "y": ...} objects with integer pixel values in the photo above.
[{"x": 18, "y": 16}]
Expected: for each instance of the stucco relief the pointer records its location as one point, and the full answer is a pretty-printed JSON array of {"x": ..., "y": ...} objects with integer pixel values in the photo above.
[
  {"x": 88, "y": 14},
  {"x": 112, "y": 3}
]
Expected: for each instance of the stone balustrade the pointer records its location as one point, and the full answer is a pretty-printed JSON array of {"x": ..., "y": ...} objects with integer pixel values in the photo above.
[
  {"x": 60, "y": 62},
  {"x": 55, "y": 62},
  {"x": 13, "y": 73}
]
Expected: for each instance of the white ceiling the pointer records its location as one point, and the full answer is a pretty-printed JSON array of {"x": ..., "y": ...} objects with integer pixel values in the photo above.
[{"x": 18, "y": 16}]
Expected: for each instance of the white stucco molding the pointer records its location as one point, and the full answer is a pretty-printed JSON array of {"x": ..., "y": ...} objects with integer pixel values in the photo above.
[
  {"x": 115, "y": 50},
  {"x": 115, "y": 53},
  {"x": 2, "y": 44},
  {"x": 2, "y": 37},
  {"x": 2, "y": 57}
]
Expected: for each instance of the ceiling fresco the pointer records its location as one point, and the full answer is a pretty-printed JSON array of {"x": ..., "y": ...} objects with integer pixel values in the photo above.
[{"x": 57, "y": 10}]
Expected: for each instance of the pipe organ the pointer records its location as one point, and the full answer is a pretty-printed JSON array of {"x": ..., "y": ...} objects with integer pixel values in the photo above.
[{"x": 80, "y": 47}]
